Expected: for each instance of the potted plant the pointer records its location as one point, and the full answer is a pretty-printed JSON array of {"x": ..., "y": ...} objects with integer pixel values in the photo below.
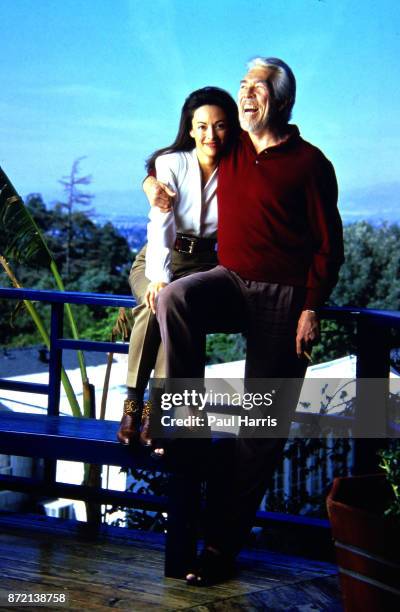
[{"x": 364, "y": 512}]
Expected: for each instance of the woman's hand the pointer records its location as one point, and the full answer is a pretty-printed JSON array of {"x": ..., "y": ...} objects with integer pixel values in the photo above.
[
  {"x": 151, "y": 293},
  {"x": 158, "y": 194}
]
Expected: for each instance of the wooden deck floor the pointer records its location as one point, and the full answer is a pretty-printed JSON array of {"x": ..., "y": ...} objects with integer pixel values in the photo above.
[{"x": 125, "y": 571}]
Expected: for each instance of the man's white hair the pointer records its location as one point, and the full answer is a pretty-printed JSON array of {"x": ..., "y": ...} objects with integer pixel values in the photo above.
[{"x": 282, "y": 85}]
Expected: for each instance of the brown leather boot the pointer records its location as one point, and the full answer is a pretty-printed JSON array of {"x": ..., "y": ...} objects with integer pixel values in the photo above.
[
  {"x": 145, "y": 432},
  {"x": 129, "y": 425}
]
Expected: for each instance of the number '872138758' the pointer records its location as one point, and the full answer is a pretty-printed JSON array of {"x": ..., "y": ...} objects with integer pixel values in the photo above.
[{"x": 19, "y": 598}]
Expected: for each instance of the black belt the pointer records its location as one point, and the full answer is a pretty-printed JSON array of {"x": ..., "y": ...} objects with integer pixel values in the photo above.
[{"x": 193, "y": 244}]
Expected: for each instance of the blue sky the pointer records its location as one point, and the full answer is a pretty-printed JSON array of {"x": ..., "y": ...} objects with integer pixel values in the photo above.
[{"x": 106, "y": 79}]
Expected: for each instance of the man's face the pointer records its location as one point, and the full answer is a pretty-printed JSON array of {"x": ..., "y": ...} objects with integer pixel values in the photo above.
[{"x": 253, "y": 100}]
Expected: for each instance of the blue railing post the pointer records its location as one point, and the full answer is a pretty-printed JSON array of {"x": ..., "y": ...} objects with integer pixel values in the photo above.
[
  {"x": 372, "y": 394},
  {"x": 56, "y": 332},
  {"x": 53, "y": 404}
]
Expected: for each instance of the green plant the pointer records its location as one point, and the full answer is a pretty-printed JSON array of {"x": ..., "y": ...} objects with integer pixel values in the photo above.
[
  {"x": 23, "y": 242},
  {"x": 224, "y": 347},
  {"x": 390, "y": 463}
]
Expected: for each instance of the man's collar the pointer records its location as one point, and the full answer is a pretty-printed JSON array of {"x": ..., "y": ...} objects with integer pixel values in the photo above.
[{"x": 293, "y": 135}]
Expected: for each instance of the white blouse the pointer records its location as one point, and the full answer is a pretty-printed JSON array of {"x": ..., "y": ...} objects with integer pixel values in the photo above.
[{"x": 194, "y": 211}]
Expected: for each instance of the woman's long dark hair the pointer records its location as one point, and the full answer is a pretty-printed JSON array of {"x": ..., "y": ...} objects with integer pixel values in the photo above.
[{"x": 214, "y": 96}]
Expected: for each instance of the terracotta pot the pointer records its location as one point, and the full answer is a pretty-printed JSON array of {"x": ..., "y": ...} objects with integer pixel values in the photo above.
[{"x": 367, "y": 543}]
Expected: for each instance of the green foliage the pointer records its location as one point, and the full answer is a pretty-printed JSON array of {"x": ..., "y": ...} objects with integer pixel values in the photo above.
[
  {"x": 100, "y": 257},
  {"x": 225, "y": 347},
  {"x": 390, "y": 463},
  {"x": 100, "y": 260},
  {"x": 98, "y": 324},
  {"x": 74, "y": 197},
  {"x": 22, "y": 240},
  {"x": 24, "y": 243},
  {"x": 370, "y": 277},
  {"x": 145, "y": 482},
  {"x": 337, "y": 340},
  {"x": 17, "y": 327},
  {"x": 317, "y": 461}
]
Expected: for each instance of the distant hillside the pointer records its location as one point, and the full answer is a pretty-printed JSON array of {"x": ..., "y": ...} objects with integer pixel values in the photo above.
[
  {"x": 375, "y": 204},
  {"x": 121, "y": 205}
]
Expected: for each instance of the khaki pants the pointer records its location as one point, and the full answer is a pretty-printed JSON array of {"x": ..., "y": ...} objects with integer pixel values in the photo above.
[{"x": 145, "y": 349}]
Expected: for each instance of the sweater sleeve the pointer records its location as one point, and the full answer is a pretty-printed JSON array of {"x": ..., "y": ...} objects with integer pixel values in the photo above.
[{"x": 326, "y": 234}]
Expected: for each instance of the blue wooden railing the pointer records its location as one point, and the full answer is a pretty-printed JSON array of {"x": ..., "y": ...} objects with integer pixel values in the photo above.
[
  {"x": 373, "y": 341},
  {"x": 57, "y": 299}
]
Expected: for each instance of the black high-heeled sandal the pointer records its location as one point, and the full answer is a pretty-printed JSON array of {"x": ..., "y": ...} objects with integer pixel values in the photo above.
[{"x": 211, "y": 568}]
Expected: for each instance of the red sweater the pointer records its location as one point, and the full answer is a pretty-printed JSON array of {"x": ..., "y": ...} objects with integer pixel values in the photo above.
[{"x": 278, "y": 220}]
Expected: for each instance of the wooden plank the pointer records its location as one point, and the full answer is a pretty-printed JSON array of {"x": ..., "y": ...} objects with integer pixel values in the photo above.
[
  {"x": 126, "y": 572},
  {"x": 318, "y": 594},
  {"x": 92, "y": 581},
  {"x": 86, "y": 493},
  {"x": 66, "y": 426},
  {"x": 87, "y": 440}
]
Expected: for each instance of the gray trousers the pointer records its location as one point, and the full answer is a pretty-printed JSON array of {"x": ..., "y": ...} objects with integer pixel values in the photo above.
[
  {"x": 145, "y": 349},
  {"x": 221, "y": 301}
]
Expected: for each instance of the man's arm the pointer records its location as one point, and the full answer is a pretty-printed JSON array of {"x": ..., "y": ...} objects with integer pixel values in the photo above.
[
  {"x": 326, "y": 234},
  {"x": 307, "y": 331},
  {"x": 158, "y": 193},
  {"x": 328, "y": 256}
]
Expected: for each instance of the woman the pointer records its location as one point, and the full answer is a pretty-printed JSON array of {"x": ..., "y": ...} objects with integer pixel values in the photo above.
[{"x": 180, "y": 242}]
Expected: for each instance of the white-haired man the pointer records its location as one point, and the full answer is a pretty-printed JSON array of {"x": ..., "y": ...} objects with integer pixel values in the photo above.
[{"x": 280, "y": 248}]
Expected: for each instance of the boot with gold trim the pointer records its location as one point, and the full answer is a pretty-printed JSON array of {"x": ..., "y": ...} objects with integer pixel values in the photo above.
[
  {"x": 151, "y": 434},
  {"x": 145, "y": 436},
  {"x": 129, "y": 426}
]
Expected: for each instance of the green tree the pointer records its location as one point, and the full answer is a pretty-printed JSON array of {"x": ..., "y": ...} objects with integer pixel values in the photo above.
[
  {"x": 72, "y": 185},
  {"x": 26, "y": 243},
  {"x": 370, "y": 277},
  {"x": 100, "y": 259}
]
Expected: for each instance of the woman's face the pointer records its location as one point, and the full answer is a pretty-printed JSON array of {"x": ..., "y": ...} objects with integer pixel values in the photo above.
[{"x": 209, "y": 130}]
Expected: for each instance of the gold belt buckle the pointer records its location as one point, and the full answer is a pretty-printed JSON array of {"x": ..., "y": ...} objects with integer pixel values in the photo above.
[{"x": 186, "y": 245}]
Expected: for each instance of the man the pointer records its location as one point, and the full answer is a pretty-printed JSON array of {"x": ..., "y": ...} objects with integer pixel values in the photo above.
[{"x": 280, "y": 248}]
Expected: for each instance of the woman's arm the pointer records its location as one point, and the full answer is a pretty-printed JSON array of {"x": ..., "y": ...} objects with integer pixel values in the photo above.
[
  {"x": 161, "y": 234},
  {"x": 151, "y": 293}
]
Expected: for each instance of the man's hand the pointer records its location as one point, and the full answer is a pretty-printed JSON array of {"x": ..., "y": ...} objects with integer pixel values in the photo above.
[
  {"x": 158, "y": 194},
  {"x": 307, "y": 331},
  {"x": 151, "y": 293}
]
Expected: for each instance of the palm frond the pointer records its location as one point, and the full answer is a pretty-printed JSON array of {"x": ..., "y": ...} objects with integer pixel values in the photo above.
[{"x": 22, "y": 240}]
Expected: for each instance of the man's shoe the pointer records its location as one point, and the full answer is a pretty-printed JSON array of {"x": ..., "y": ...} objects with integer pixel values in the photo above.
[{"x": 130, "y": 422}]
